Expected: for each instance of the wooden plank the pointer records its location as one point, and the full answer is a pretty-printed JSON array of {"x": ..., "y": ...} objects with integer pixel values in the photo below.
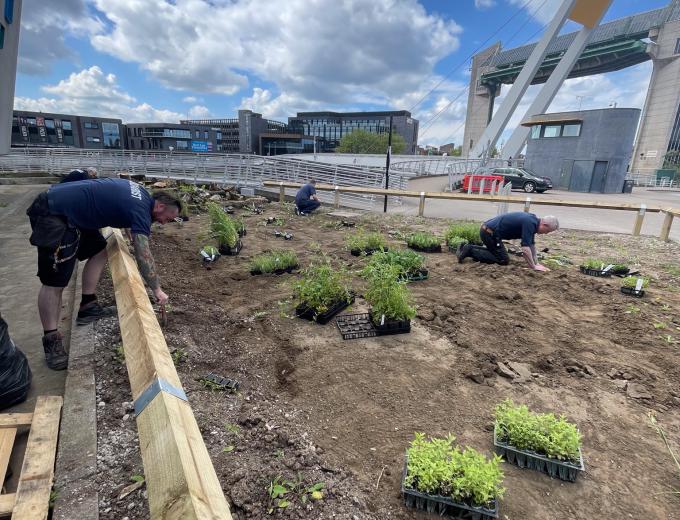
[
  {"x": 37, "y": 471},
  {"x": 6, "y": 504},
  {"x": 421, "y": 205},
  {"x": 282, "y": 193},
  {"x": 14, "y": 420},
  {"x": 7, "y": 436},
  {"x": 639, "y": 219},
  {"x": 666, "y": 226},
  {"x": 180, "y": 478}
]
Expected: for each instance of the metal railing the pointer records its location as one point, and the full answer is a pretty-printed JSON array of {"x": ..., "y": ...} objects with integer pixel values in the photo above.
[
  {"x": 650, "y": 180},
  {"x": 229, "y": 169}
]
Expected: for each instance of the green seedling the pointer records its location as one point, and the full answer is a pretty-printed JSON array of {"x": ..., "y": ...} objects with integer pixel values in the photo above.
[
  {"x": 234, "y": 429},
  {"x": 467, "y": 232},
  {"x": 593, "y": 263},
  {"x": 422, "y": 240},
  {"x": 211, "y": 385},
  {"x": 388, "y": 295},
  {"x": 632, "y": 309},
  {"x": 179, "y": 355},
  {"x": 546, "y": 434},
  {"x": 137, "y": 478},
  {"x": 364, "y": 241},
  {"x": 660, "y": 431},
  {"x": 222, "y": 227},
  {"x": 409, "y": 262},
  {"x": 228, "y": 449},
  {"x": 259, "y": 315},
  {"x": 322, "y": 285},
  {"x": 660, "y": 325},
  {"x": 668, "y": 338},
  {"x": 273, "y": 261},
  {"x": 631, "y": 281},
  {"x": 119, "y": 354}
]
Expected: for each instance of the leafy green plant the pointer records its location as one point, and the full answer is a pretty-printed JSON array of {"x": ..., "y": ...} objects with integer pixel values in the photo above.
[
  {"x": 542, "y": 433},
  {"x": 179, "y": 355},
  {"x": 283, "y": 491},
  {"x": 619, "y": 269},
  {"x": 422, "y": 240},
  {"x": 408, "y": 261},
  {"x": 593, "y": 263},
  {"x": 631, "y": 281},
  {"x": 438, "y": 467},
  {"x": 222, "y": 227},
  {"x": 119, "y": 354},
  {"x": 467, "y": 231},
  {"x": 454, "y": 242},
  {"x": 274, "y": 260},
  {"x": 322, "y": 285},
  {"x": 238, "y": 224},
  {"x": 632, "y": 309},
  {"x": 211, "y": 385},
  {"x": 388, "y": 295},
  {"x": 137, "y": 478},
  {"x": 363, "y": 241},
  {"x": 228, "y": 449}
]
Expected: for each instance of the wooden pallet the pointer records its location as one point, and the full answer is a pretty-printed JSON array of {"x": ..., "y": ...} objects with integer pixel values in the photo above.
[{"x": 31, "y": 500}]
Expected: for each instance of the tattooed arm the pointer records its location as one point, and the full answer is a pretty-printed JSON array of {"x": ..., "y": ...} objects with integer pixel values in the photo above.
[{"x": 147, "y": 266}]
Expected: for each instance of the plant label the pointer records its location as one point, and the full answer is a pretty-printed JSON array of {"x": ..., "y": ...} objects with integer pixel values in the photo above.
[
  {"x": 382, "y": 320},
  {"x": 638, "y": 285},
  {"x": 607, "y": 268}
]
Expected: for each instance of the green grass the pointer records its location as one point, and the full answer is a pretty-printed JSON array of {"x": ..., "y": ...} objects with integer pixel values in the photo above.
[
  {"x": 409, "y": 262},
  {"x": 594, "y": 263},
  {"x": 631, "y": 281},
  {"x": 468, "y": 231},
  {"x": 388, "y": 295},
  {"x": 274, "y": 260},
  {"x": 322, "y": 285},
  {"x": 365, "y": 241},
  {"x": 222, "y": 227},
  {"x": 422, "y": 240}
]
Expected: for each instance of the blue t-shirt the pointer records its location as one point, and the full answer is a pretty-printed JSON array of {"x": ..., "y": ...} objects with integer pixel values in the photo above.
[
  {"x": 515, "y": 225},
  {"x": 305, "y": 193},
  {"x": 98, "y": 203},
  {"x": 76, "y": 175}
]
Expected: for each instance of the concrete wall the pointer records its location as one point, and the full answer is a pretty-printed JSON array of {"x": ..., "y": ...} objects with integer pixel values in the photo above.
[
  {"x": 8, "y": 72},
  {"x": 606, "y": 136}
]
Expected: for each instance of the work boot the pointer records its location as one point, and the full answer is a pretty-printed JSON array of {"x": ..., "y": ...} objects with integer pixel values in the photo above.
[
  {"x": 462, "y": 252},
  {"x": 55, "y": 355},
  {"x": 93, "y": 311}
]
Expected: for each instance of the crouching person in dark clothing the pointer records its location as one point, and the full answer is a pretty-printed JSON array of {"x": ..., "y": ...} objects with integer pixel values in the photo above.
[
  {"x": 83, "y": 174},
  {"x": 65, "y": 221},
  {"x": 306, "y": 200},
  {"x": 509, "y": 226}
]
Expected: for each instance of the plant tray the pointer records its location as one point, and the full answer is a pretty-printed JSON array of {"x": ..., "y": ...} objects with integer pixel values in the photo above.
[
  {"x": 528, "y": 459},
  {"x": 304, "y": 312},
  {"x": 224, "y": 382},
  {"x": 231, "y": 250},
  {"x": 445, "y": 506},
  {"x": 356, "y": 326},
  {"x": 632, "y": 292},
  {"x": 452, "y": 249},
  {"x": 290, "y": 269},
  {"x": 392, "y": 327},
  {"x": 418, "y": 276},
  {"x": 358, "y": 252},
  {"x": 242, "y": 232},
  {"x": 429, "y": 249},
  {"x": 595, "y": 272}
]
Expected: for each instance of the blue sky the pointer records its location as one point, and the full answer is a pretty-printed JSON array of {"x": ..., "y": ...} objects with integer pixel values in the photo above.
[{"x": 158, "y": 60}]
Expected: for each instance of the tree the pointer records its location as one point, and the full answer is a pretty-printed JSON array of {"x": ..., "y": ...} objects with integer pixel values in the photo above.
[
  {"x": 457, "y": 151},
  {"x": 361, "y": 141}
]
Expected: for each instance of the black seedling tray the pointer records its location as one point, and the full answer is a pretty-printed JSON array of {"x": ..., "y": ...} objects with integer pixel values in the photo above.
[
  {"x": 356, "y": 326},
  {"x": 595, "y": 272},
  {"x": 632, "y": 292},
  {"x": 418, "y": 276},
  {"x": 528, "y": 459},
  {"x": 358, "y": 252},
  {"x": 231, "y": 250},
  {"x": 430, "y": 249},
  {"x": 290, "y": 269},
  {"x": 392, "y": 327},
  {"x": 226, "y": 383},
  {"x": 445, "y": 506},
  {"x": 306, "y": 313},
  {"x": 348, "y": 224},
  {"x": 454, "y": 249},
  {"x": 242, "y": 232}
]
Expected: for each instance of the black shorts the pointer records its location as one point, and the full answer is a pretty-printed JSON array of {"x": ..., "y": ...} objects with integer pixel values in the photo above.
[{"x": 77, "y": 244}]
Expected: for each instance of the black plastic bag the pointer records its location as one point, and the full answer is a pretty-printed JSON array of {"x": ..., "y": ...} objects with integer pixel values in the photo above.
[{"x": 15, "y": 374}]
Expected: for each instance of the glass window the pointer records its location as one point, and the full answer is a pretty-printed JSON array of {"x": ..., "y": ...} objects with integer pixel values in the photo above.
[
  {"x": 182, "y": 145},
  {"x": 30, "y": 120},
  {"x": 197, "y": 134},
  {"x": 91, "y": 139},
  {"x": 205, "y": 134},
  {"x": 551, "y": 131},
  {"x": 66, "y": 124},
  {"x": 536, "y": 131},
  {"x": 91, "y": 126},
  {"x": 572, "y": 130},
  {"x": 218, "y": 136},
  {"x": 49, "y": 123},
  {"x": 111, "y": 135}
]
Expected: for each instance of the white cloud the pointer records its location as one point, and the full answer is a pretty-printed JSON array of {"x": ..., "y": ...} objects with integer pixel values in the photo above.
[
  {"x": 191, "y": 99},
  {"x": 91, "y": 92},
  {"x": 200, "y": 112},
  {"x": 541, "y": 10},
  {"x": 484, "y": 4}
]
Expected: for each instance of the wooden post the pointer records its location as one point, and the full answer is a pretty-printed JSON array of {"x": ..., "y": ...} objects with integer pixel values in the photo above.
[
  {"x": 666, "y": 227},
  {"x": 527, "y": 205},
  {"x": 337, "y": 197},
  {"x": 180, "y": 478},
  {"x": 639, "y": 219},
  {"x": 481, "y": 187},
  {"x": 282, "y": 193},
  {"x": 421, "y": 207}
]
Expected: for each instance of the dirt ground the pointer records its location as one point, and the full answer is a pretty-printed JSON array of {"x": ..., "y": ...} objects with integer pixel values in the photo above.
[{"x": 317, "y": 408}]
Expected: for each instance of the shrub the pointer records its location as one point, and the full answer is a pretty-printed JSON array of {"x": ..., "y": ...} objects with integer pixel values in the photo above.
[
  {"x": 321, "y": 286},
  {"x": 365, "y": 241},
  {"x": 222, "y": 227},
  {"x": 273, "y": 260},
  {"x": 239, "y": 224},
  {"x": 468, "y": 231},
  {"x": 388, "y": 295},
  {"x": 631, "y": 281},
  {"x": 454, "y": 242},
  {"x": 437, "y": 467},
  {"x": 408, "y": 261},
  {"x": 422, "y": 240},
  {"x": 542, "y": 433}
]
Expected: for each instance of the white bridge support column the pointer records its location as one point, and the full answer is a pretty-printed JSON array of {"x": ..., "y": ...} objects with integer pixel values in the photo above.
[
  {"x": 547, "y": 93},
  {"x": 8, "y": 70},
  {"x": 514, "y": 96}
]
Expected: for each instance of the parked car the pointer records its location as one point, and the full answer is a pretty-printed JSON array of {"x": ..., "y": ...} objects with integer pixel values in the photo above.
[{"x": 520, "y": 178}]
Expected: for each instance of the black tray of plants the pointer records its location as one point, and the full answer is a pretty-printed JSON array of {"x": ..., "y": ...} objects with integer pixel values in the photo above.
[
  {"x": 632, "y": 292},
  {"x": 563, "y": 470},
  {"x": 224, "y": 382},
  {"x": 429, "y": 249},
  {"x": 391, "y": 326},
  {"x": 356, "y": 326},
  {"x": 445, "y": 506},
  {"x": 307, "y": 313},
  {"x": 367, "y": 252},
  {"x": 225, "y": 250},
  {"x": 289, "y": 269},
  {"x": 242, "y": 232},
  {"x": 417, "y": 276},
  {"x": 594, "y": 272}
]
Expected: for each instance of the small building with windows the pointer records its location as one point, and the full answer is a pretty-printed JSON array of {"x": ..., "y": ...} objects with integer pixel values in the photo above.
[{"x": 586, "y": 151}]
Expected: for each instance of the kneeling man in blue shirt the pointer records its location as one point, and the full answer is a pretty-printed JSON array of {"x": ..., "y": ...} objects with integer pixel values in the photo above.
[
  {"x": 509, "y": 226},
  {"x": 306, "y": 200}
]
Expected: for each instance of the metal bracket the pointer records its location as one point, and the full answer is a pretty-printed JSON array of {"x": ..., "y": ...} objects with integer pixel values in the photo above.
[{"x": 158, "y": 385}]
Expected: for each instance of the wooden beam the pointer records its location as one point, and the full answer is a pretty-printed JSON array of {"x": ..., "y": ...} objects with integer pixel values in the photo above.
[
  {"x": 637, "y": 228},
  {"x": 180, "y": 478},
  {"x": 421, "y": 206},
  {"x": 7, "y": 436},
  {"x": 336, "y": 198},
  {"x": 7, "y": 504},
  {"x": 666, "y": 226},
  {"x": 282, "y": 193},
  {"x": 37, "y": 472},
  {"x": 14, "y": 420}
]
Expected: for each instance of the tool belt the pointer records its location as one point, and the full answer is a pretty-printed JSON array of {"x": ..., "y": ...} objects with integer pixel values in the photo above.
[{"x": 50, "y": 230}]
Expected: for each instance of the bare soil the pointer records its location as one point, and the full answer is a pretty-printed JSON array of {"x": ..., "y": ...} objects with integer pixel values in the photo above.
[{"x": 314, "y": 407}]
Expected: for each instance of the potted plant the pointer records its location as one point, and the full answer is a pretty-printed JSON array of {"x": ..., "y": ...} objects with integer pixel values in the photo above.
[
  {"x": 422, "y": 241},
  {"x": 462, "y": 233},
  {"x": 412, "y": 264},
  {"x": 276, "y": 262},
  {"x": 390, "y": 300},
  {"x": 594, "y": 267},
  {"x": 542, "y": 442},
  {"x": 443, "y": 478},
  {"x": 240, "y": 226},
  {"x": 366, "y": 243},
  {"x": 634, "y": 286},
  {"x": 223, "y": 230},
  {"x": 322, "y": 292}
]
